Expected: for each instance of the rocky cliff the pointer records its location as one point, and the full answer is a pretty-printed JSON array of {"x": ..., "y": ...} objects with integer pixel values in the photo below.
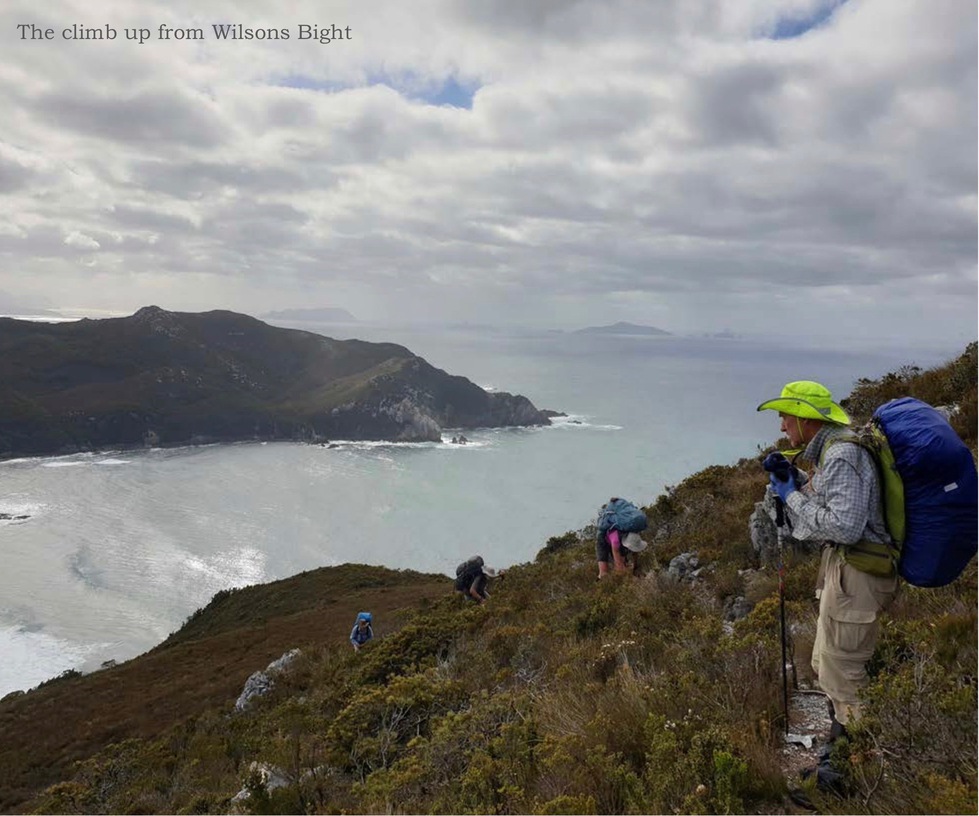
[{"x": 171, "y": 378}]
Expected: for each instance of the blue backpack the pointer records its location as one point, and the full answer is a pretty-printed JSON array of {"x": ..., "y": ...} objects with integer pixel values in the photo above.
[
  {"x": 621, "y": 515},
  {"x": 935, "y": 470}
]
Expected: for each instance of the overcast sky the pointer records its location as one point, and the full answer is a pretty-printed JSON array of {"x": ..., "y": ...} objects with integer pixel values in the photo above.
[{"x": 690, "y": 164}]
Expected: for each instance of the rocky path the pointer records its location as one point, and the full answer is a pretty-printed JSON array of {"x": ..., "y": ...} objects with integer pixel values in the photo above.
[{"x": 808, "y": 729}]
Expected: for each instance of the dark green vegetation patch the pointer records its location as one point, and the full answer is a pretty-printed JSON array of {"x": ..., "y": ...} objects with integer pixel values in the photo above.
[{"x": 162, "y": 378}]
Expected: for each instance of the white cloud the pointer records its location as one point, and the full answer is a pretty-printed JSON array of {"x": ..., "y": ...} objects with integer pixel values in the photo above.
[
  {"x": 626, "y": 158},
  {"x": 77, "y": 239}
]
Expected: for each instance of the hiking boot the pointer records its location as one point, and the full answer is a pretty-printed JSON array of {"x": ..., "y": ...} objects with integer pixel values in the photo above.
[{"x": 837, "y": 730}]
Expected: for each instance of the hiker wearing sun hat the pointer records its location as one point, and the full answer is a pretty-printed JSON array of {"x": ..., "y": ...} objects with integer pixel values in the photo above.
[
  {"x": 840, "y": 507},
  {"x": 472, "y": 577}
]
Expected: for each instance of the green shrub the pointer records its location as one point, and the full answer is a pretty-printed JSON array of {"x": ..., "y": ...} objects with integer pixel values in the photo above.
[
  {"x": 379, "y": 721},
  {"x": 693, "y": 768},
  {"x": 556, "y": 544}
]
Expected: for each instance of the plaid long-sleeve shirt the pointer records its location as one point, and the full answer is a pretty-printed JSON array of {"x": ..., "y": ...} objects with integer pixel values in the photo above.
[{"x": 841, "y": 501}]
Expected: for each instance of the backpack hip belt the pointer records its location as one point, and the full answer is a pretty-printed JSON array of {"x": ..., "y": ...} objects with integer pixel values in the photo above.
[{"x": 872, "y": 557}]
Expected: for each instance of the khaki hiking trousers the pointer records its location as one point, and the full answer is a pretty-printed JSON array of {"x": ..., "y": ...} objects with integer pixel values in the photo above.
[{"x": 850, "y": 602}]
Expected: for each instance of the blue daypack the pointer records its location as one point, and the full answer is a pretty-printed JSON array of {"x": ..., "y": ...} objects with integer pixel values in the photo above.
[
  {"x": 939, "y": 483},
  {"x": 621, "y": 515}
]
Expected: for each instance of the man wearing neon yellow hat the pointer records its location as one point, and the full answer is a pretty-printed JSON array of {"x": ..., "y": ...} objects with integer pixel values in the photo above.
[{"x": 839, "y": 506}]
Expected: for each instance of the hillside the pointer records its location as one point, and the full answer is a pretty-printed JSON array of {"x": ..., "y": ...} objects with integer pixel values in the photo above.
[
  {"x": 171, "y": 378},
  {"x": 560, "y": 695},
  {"x": 200, "y": 668}
]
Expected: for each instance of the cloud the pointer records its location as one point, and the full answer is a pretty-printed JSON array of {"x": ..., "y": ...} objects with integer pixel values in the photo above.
[
  {"x": 148, "y": 119},
  {"x": 496, "y": 162},
  {"x": 77, "y": 239}
]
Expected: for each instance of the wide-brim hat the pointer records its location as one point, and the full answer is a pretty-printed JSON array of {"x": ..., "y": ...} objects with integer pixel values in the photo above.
[
  {"x": 634, "y": 543},
  {"x": 489, "y": 572},
  {"x": 807, "y": 400}
]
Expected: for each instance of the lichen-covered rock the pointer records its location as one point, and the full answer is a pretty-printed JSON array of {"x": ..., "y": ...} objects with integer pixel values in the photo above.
[
  {"x": 737, "y": 608},
  {"x": 683, "y": 566},
  {"x": 262, "y": 682},
  {"x": 764, "y": 534},
  {"x": 260, "y": 775}
]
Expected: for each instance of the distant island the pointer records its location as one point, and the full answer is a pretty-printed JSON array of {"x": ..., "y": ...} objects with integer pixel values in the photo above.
[
  {"x": 325, "y": 315},
  {"x": 622, "y": 328},
  {"x": 723, "y": 334},
  {"x": 160, "y": 378}
]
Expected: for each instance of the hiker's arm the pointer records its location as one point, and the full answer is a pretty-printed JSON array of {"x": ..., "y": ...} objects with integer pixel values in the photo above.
[
  {"x": 614, "y": 538},
  {"x": 617, "y": 557},
  {"x": 838, "y": 513},
  {"x": 473, "y": 593}
]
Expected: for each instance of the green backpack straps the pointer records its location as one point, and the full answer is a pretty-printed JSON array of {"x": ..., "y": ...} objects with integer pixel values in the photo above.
[{"x": 874, "y": 557}]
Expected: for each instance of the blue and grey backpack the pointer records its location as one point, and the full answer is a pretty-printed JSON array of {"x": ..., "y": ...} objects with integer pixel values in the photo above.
[{"x": 621, "y": 515}]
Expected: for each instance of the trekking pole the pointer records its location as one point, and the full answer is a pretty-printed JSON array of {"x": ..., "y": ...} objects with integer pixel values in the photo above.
[{"x": 780, "y": 533}]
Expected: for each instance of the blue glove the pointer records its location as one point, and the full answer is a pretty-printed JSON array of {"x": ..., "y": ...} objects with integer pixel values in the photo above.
[
  {"x": 776, "y": 462},
  {"x": 782, "y": 488}
]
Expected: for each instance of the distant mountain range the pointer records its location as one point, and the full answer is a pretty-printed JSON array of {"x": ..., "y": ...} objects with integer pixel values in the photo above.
[
  {"x": 326, "y": 315},
  {"x": 160, "y": 378},
  {"x": 622, "y": 328}
]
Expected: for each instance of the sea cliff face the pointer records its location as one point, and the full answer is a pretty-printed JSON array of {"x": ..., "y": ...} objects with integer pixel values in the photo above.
[{"x": 168, "y": 378}]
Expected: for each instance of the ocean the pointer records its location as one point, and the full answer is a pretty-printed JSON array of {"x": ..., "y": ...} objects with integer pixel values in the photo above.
[{"x": 120, "y": 547}]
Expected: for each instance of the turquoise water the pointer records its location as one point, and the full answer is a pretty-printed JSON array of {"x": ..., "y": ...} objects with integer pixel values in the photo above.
[{"x": 121, "y": 547}]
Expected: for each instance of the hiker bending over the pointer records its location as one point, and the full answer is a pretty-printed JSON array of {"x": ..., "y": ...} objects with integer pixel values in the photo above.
[
  {"x": 840, "y": 507},
  {"x": 362, "y": 631},
  {"x": 608, "y": 547},
  {"x": 623, "y": 549},
  {"x": 618, "y": 525},
  {"x": 472, "y": 576}
]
